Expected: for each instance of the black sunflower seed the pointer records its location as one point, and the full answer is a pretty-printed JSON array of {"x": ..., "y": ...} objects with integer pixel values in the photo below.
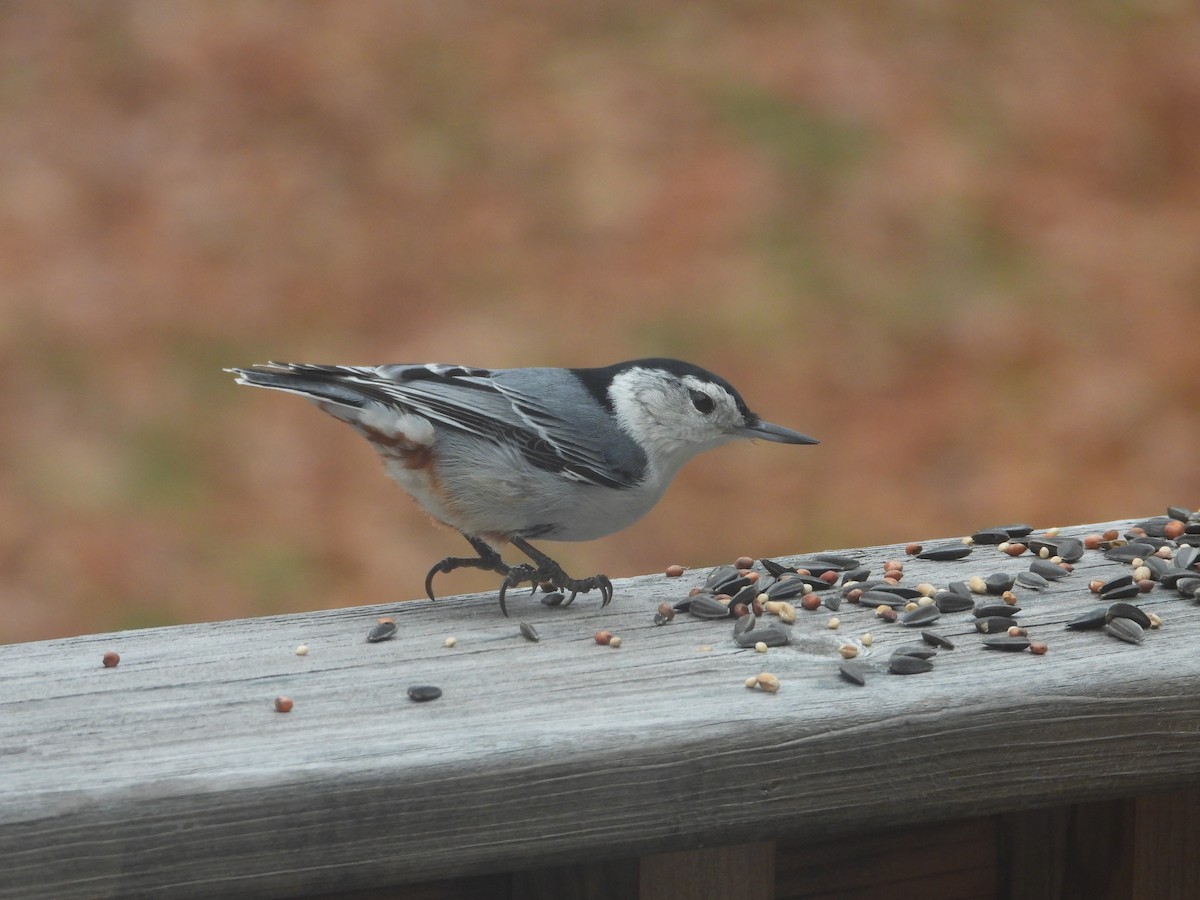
[
  {"x": 1048, "y": 570},
  {"x": 529, "y": 632},
  {"x": 424, "y": 692},
  {"x": 773, "y": 635},
  {"x": 1125, "y": 630},
  {"x": 704, "y": 606},
  {"x": 936, "y": 640},
  {"x": 1006, "y": 642},
  {"x": 554, "y": 598},
  {"x": 921, "y": 651},
  {"x": 1186, "y": 557},
  {"x": 1188, "y": 587},
  {"x": 381, "y": 632},
  {"x": 990, "y": 536},
  {"x": 1182, "y": 513},
  {"x": 946, "y": 552},
  {"x": 993, "y": 624},
  {"x": 1129, "y": 552},
  {"x": 908, "y": 665},
  {"x": 1172, "y": 576},
  {"x": 1128, "y": 611},
  {"x": 744, "y": 624},
  {"x": 920, "y": 617},
  {"x": 1121, "y": 593},
  {"x": 862, "y": 573},
  {"x": 853, "y": 673},
  {"x": 984, "y": 610},
  {"x": 1032, "y": 580},
  {"x": 1094, "y": 618},
  {"x": 950, "y": 602},
  {"x": 999, "y": 582}
]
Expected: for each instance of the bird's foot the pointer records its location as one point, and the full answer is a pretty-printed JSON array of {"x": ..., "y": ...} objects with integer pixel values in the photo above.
[
  {"x": 548, "y": 572},
  {"x": 488, "y": 560}
]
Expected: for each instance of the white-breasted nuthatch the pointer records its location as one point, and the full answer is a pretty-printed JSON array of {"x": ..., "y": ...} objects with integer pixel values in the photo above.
[{"x": 510, "y": 455}]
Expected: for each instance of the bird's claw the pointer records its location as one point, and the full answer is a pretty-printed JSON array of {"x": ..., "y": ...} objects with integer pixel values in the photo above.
[{"x": 558, "y": 579}]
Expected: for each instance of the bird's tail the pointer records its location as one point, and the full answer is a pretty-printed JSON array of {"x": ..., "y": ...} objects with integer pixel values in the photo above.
[{"x": 340, "y": 385}]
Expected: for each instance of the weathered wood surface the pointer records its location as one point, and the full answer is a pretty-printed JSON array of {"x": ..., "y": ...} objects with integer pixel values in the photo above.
[{"x": 172, "y": 773}]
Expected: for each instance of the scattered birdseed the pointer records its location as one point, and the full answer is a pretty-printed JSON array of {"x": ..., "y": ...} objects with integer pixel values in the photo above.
[
  {"x": 422, "y": 693},
  {"x": 848, "y": 651},
  {"x": 385, "y": 630},
  {"x": 1092, "y": 619},
  {"x": 675, "y": 571},
  {"x": 450, "y": 642},
  {"x": 761, "y": 647},
  {"x": 1155, "y": 620},
  {"x": 744, "y": 562},
  {"x": 867, "y": 639},
  {"x": 603, "y": 637},
  {"x": 768, "y": 682},
  {"x": 111, "y": 659},
  {"x": 977, "y": 585},
  {"x": 1130, "y": 612},
  {"x": 554, "y": 598},
  {"x": 912, "y": 549},
  {"x": 614, "y": 642},
  {"x": 833, "y": 623},
  {"x": 302, "y": 650},
  {"x": 752, "y": 682},
  {"x": 283, "y": 704},
  {"x": 920, "y": 616},
  {"x": 1038, "y": 648},
  {"x": 529, "y": 632}
]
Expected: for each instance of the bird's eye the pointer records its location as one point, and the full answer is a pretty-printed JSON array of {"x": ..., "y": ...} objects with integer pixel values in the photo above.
[{"x": 702, "y": 402}]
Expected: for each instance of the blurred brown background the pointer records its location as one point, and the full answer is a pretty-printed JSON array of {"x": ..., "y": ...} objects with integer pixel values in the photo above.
[{"x": 960, "y": 243}]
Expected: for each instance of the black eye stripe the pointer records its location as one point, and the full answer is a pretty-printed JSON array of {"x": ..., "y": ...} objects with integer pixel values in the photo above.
[{"x": 702, "y": 402}]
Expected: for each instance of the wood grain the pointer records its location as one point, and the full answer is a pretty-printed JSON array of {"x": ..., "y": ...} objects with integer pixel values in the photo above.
[{"x": 172, "y": 773}]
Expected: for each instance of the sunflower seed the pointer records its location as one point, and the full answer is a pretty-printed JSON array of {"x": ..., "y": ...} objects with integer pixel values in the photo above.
[
  {"x": 1185, "y": 557},
  {"x": 554, "y": 598},
  {"x": 993, "y": 624},
  {"x": 853, "y": 672},
  {"x": 1121, "y": 593},
  {"x": 990, "y": 536},
  {"x": 424, "y": 692},
  {"x": 529, "y": 632},
  {"x": 1188, "y": 587},
  {"x": 1090, "y": 620},
  {"x": 921, "y": 651},
  {"x": 1154, "y": 526},
  {"x": 705, "y": 606},
  {"x": 1031, "y": 580},
  {"x": 1182, "y": 513},
  {"x": 1047, "y": 569},
  {"x": 788, "y": 586},
  {"x": 882, "y": 598},
  {"x": 1131, "y": 551},
  {"x": 744, "y": 624},
  {"x": 745, "y": 595},
  {"x": 1014, "y": 531},
  {"x": 999, "y": 582},
  {"x": 382, "y": 632},
  {"x": 1128, "y": 611},
  {"x": 945, "y": 552},
  {"x": 984, "y": 610},
  {"x": 1006, "y": 642},
  {"x": 950, "y": 602},
  {"x": 773, "y": 635},
  {"x": 1119, "y": 581},
  {"x": 920, "y": 617},
  {"x": 775, "y": 569},
  {"x": 936, "y": 640},
  {"x": 862, "y": 573},
  {"x": 961, "y": 588},
  {"x": 1172, "y": 576},
  {"x": 725, "y": 580},
  {"x": 1125, "y": 630},
  {"x": 908, "y": 665}
]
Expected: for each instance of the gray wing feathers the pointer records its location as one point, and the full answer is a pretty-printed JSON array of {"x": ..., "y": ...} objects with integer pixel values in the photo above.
[{"x": 544, "y": 413}]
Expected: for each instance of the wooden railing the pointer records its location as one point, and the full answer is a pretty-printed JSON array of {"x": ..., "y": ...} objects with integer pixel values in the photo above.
[{"x": 564, "y": 768}]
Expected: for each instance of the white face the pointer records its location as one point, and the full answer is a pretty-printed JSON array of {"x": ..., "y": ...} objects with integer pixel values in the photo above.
[{"x": 674, "y": 417}]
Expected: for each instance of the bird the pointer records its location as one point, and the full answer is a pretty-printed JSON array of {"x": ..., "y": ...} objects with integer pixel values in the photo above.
[{"x": 506, "y": 456}]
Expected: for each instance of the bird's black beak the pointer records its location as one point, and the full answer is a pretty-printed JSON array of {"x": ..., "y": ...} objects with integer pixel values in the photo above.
[{"x": 777, "y": 433}]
